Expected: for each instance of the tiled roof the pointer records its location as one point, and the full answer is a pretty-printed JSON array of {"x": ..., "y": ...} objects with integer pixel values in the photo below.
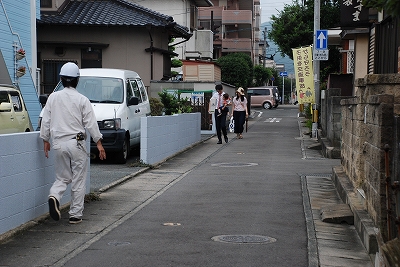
[{"x": 111, "y": 13}]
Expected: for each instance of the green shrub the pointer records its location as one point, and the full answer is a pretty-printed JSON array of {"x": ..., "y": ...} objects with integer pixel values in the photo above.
[
  {"x": 156, "y": 106},
  {"x": 173, "y": 104}
]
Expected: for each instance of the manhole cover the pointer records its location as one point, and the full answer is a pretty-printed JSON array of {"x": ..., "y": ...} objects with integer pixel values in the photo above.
[
  {"x": 118, "y": 243},
  {"x": 234, "y": 164},
  {"x": 244, "y": 239}
]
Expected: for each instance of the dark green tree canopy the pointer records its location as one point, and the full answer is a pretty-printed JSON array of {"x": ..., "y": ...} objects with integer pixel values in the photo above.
[
  {"x": 261, "y": 75},
  {"x": 236, "y": 69},
  {"x": 294, "y": 26},
  {"x": 391, "y": 7}
]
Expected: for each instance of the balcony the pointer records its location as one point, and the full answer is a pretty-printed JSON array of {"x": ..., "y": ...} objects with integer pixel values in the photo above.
[
  {"x": 237, "y": 17},
  {"x": 205, "y": 13},
  {"x": 236, "y": 45}
]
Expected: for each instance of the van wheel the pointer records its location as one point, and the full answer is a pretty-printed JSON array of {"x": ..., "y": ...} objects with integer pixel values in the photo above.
[
  {"x": 124, "y": 153},
  {"x": 267, "y": 105}
]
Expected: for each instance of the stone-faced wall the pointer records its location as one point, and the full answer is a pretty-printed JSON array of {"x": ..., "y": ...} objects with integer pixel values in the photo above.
[{"x": 367, "y": 126}]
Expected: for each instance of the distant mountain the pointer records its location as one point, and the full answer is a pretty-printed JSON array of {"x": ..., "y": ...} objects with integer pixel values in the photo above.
[{"x": 274, "y": 50}]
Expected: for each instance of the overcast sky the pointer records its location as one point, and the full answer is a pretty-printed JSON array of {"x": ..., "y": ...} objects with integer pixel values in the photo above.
[{"x": 271, "y": 7}]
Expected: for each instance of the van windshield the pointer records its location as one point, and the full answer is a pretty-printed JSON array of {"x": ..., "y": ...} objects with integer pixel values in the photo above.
[{"x": 99, "y": 89}]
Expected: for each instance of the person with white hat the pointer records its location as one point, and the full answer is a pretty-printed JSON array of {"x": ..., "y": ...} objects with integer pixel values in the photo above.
[
  {"x": 66, "y": 117},
  {"x": 239, "y": 112}
]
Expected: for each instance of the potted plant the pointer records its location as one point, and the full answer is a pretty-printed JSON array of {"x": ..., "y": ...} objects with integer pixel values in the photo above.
[
  {"x": 20, "y": 54},
  {"x": 21, "y": 71}
]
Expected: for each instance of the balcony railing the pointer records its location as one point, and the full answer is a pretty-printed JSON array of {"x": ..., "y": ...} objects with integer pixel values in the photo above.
[
  {"x": 237, "y": 17},
  {"x": 236, "y": 45},
  {"x": 205, "y": 13}
]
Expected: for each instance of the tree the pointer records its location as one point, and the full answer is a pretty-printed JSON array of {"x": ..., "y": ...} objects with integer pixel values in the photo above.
[
  {"x": 392, "y": 7},
  {"x": 294, "y": 27},
  {"x": 236, "y": 69},
  {"x": 261, "y": 75}
]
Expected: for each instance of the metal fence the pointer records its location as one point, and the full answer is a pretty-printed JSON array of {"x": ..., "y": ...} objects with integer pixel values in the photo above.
[{"x": 206, "y": 119}]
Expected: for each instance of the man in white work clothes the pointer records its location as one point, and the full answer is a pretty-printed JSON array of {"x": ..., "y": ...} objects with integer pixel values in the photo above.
[{"x": 66, "y": 116}]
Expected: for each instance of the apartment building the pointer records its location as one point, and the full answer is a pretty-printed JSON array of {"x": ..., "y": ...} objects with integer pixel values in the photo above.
[{"x": 235, "y": 24}]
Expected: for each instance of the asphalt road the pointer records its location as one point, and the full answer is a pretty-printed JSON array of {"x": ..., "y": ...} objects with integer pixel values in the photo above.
[
  {"x": 106, "y": 173},
  {"x": 235, "y": 204},
  {"x": 245, "y": 190}
]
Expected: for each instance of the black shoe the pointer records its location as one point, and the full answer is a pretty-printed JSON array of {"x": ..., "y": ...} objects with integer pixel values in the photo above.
[
  {"x": 226, "y": 139},
  {"x": 219, "y": 142},
  {"x": 54, "y": 208},
  {"x": 74, "y": 220}
]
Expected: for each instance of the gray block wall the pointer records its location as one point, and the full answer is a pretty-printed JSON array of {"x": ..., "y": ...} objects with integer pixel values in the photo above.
[
  {"x": 26, "y": 176},
  {"x": 163, "y": 136}
]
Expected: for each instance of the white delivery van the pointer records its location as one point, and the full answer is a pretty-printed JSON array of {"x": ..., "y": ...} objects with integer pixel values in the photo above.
[{"x": 119, "y": 100}]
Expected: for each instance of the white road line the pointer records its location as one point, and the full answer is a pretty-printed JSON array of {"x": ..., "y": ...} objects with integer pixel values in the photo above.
[{"x": 273, "y": 120}]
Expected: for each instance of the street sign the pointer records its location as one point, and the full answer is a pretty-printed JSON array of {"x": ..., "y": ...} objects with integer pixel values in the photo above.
[
  {"x": 283, "y": 74},
  {"x": 321, "y": 54},
  {"x": 321, "y": 41}
]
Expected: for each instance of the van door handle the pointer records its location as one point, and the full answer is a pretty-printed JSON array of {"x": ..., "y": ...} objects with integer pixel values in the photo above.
[{"x": 137, "y": 111}]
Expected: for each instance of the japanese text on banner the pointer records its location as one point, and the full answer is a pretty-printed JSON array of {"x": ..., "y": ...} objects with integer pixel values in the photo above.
[{"x": 303, "y": 68}]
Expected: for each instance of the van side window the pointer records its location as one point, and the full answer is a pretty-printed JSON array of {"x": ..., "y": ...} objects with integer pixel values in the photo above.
[
  {"x": 135, "y": 89},
  {"x": 16, "y": 101},
  {"x": 264, "y": 92},
  {"x": 142, "y": 90},
  {"x": 4, "y": 97},
  {"x": 129, "y": 93}
]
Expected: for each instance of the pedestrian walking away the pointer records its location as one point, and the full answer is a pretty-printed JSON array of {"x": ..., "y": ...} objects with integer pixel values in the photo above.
[
  {"x": 220, "y": 119},
  {"x": 239, "y": 112},
  {"x": 66, "y": 117}
]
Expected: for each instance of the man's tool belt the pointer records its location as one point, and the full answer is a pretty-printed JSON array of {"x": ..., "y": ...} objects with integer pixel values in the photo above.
[{"x": 80, "y": 136}]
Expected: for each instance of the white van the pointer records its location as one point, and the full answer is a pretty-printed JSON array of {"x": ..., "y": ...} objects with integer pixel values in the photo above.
[{"x": 119, "y": 100}]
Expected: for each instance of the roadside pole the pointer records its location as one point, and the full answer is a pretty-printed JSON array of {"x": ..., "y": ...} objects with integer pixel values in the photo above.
[
  {"x": 283, "y": 74},
  {"x": 316, "y": 69}
]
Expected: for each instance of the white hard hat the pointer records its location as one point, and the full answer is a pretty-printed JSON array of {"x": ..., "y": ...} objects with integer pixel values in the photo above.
[{"x": 70, "y": 69}]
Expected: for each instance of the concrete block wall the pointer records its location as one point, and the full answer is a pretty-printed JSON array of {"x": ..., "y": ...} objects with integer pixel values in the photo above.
[
  {"x": 26, "y": 176},
  {"x": 164, "y": 136}
]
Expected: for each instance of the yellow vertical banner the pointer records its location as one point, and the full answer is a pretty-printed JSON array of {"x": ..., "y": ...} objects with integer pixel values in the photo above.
[{"x": 303, "y": 69}]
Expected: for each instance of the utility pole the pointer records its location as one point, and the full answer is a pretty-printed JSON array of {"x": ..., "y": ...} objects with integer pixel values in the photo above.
[
  {"x": 316, "y": 69},
  {"x": 265, "y": 46}
]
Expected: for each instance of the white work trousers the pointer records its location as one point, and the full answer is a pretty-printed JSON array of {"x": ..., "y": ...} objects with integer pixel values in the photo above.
[{"x": 71, "y": 168}]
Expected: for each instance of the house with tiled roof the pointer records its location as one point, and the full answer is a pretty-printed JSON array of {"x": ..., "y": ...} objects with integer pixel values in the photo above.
[{"x": 105, "y": 34}]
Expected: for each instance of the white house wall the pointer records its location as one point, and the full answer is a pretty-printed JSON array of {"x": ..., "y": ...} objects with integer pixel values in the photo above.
[
  {"x": 178, "y": 9},
  {"x": 18, "y": 30}
]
